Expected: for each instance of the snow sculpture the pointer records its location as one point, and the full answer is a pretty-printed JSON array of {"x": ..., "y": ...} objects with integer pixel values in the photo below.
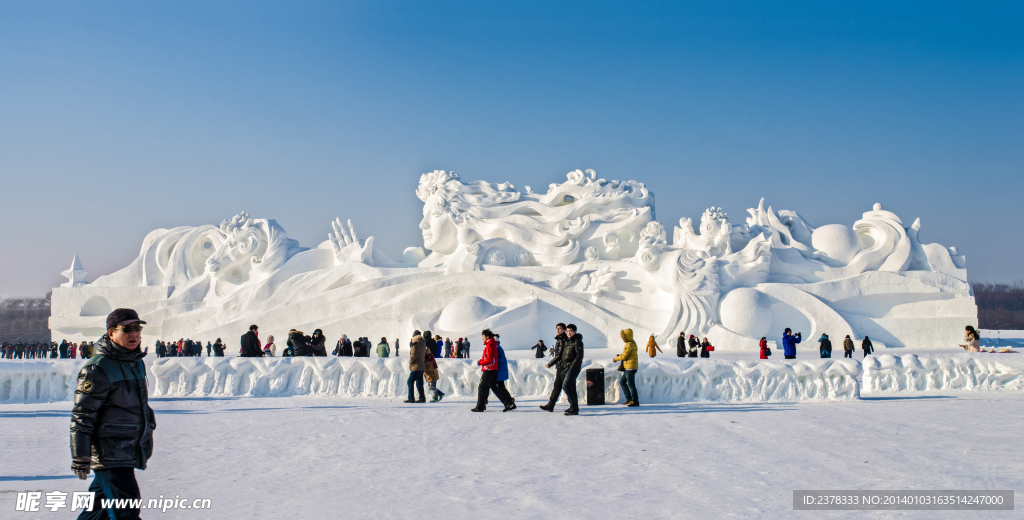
[
  {"x": 587, "y": 251},
  {"x": 75, "y": 275},
  {"x": 582, "y": 215}
]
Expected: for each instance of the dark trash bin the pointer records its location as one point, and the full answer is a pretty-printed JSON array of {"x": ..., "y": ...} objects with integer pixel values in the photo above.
[{"x": 595, "y": 386}]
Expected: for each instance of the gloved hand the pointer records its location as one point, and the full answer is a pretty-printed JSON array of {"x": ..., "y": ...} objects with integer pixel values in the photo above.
[{"x": 81, "y": 467}]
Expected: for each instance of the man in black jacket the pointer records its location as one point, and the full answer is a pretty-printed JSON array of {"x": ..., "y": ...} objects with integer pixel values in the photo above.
[
  {"x": 112, "y": 424},
  {"x": 556, "y": 351},
  {"x": 251, "y": 343},
  {"x": 569, "y": 359}
]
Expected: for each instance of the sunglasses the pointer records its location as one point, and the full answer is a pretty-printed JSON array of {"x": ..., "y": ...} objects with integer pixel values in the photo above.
[{"x": 130, "y": 328}]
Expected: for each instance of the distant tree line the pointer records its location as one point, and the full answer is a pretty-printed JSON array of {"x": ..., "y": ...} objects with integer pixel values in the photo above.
[
  {"x": 25, "y": 319},
  {"x": 1000, "y": 305}
]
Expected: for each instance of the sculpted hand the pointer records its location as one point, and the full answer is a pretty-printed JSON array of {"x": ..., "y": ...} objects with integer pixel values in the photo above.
[
  {"x": 346, "y": 244},
  {"x": 81, "y": 468}
]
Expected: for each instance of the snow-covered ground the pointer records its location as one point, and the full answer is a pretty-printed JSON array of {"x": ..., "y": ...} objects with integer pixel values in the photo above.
[
  {"x": 374, "y": 457},
  {"x": 306, "y": 457}
]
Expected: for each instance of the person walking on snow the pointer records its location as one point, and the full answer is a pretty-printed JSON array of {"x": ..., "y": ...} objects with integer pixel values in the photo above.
[
  {"x": 431, "y": 375},
  {"x": 630, "y": 364},
  {"x": 489, "y": 363},
  {"x": 556, "y": 351},
  {"x": 765, "y": 351},
  {"x": 867, "y": 346},
  {"x": 417, "y": 365},
  {"x": 652, "y": 346},
  {"x": 848, "y": 347},
  {"x": 826, "y": 346},
  {"x": 503, "y": 375},
  {"x": 112, "y": 423}
]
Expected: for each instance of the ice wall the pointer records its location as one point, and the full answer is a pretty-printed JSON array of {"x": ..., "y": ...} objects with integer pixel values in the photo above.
[
  {"x": 38, "y": 381},
  {"x": 667, "y": 381},
  {"x": 959, "y": 372}
]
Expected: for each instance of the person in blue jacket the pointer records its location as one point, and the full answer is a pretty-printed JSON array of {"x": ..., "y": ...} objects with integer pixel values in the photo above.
[
  {"x": 789, "y": 341},
  {"x": 503, "y": 376}
]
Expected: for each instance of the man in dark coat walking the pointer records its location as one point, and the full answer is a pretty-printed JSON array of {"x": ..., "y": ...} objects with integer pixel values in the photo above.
[
  {"x": 251, "y": 343},
  {"x": 570, "y": 361},
  {"x": 112, "y": 424},
  {"x": 556, "y": 352}
]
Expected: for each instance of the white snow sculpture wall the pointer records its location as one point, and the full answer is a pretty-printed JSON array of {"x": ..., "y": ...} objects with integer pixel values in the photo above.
[
  {"x": 586, "y": 251},
  {"x": 671, "y": 381},
  {"x": 958, "y": 373},
  {"x": 38, "y": 381}
]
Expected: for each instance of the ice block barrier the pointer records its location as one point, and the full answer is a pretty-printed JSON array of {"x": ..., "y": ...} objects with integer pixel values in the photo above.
[
  {"x": 955, "y": 373},
  {"x": 41, "y": 381},
  {"x": 664, "y": 381}
]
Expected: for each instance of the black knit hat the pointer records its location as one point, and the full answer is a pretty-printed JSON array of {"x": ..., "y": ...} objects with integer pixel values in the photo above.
[{"x": 123, "y": 317}]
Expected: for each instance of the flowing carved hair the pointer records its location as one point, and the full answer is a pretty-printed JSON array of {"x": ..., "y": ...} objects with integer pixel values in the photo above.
[{"x": 553, "y": 227}]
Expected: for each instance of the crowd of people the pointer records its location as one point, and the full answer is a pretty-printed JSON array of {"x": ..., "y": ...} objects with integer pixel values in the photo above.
[
  {"x": 790, "y": 341},
  {"x": 300, "y": 344},
  {"x": 184, "y": 348},
  {"x": 51, "y": 350}
]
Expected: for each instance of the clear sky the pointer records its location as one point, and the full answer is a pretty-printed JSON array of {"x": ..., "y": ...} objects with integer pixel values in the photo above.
[{"x": 117, "y": 118}]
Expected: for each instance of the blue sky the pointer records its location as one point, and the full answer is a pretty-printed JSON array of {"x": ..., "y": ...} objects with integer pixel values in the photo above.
[{"x": 120, "y": 117}]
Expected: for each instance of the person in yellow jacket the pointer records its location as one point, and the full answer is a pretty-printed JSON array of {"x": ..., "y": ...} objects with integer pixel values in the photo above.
[
  {"x": 630, "y": 362},
  {"x": 652, "y": 347}
]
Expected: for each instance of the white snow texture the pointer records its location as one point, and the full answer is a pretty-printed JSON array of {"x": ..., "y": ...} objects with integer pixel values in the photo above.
[
  {"x": 964, "y": 372},
  {"x": 38, "y": 381},
  {"x": 658, "y": 381}
]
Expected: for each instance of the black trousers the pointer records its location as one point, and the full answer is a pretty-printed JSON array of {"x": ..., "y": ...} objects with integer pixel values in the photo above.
[
  {"x": 790, "y": 357},
  {"x": 557, "y": 390},
  {"x": 569, "y": 387},
  {"x": 488, "y": 382},
  {"x": 112, "y": 483}
]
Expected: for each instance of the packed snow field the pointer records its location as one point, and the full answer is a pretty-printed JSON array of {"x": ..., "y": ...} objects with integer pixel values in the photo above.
[
  {"x": 328, "y": 437},
  {"x": 313, "y": 457}
]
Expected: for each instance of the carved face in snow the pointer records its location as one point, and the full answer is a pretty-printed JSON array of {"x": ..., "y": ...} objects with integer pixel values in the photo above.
[
  {"x": 711, "y": 222},
  {"x": 439, "y": 231},
  {"x": 233, "y": 258}
]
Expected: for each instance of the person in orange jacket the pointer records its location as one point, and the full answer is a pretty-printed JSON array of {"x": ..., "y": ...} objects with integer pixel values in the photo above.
[{"x": 652, "y": 347}]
